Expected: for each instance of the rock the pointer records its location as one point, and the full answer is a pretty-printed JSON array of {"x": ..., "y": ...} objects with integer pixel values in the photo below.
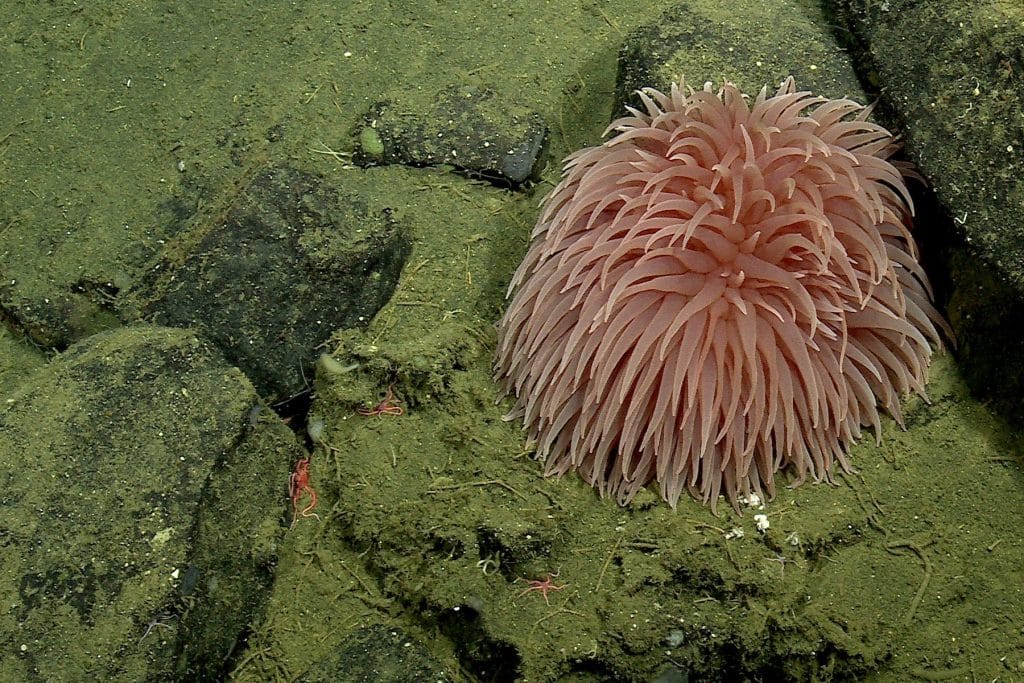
[
  {"x": 18, "y": 359},
  {"x": 292, "y": 261},
  {"x": 140, "y": 529},
  {"x": 472, "y": 129},
  {"x": 379, "y": 654},
  {"x": 700, "y": 46},
  {"x": 60, "y": 318},
  {"x": 954, "y": 76}
]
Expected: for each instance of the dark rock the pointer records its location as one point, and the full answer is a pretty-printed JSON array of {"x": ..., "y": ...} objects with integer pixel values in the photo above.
[
  {"x": 953, "y": 75},
  {"x": 472, "y": 129},
  {"x": 140, "y": 531},
  {"x": 378, "y": 654},
  {"x": 292, "y": 261}
]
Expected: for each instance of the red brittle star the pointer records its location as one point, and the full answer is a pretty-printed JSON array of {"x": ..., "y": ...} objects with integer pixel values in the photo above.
[
  {"x": 388, "y": 406},
  {"x": 543, "y": 586},
  {"x": 298, "y": 484}
]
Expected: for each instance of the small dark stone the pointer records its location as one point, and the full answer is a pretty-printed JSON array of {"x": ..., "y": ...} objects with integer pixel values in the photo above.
[{"x": 471, "y": 129}]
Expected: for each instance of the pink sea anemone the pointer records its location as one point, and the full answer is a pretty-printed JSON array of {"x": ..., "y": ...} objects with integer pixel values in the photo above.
[{"x": 719, "y": 291}]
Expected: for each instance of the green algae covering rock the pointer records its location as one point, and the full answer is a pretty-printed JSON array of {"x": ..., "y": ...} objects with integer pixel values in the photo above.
[{"x": 141, "y": 512}]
